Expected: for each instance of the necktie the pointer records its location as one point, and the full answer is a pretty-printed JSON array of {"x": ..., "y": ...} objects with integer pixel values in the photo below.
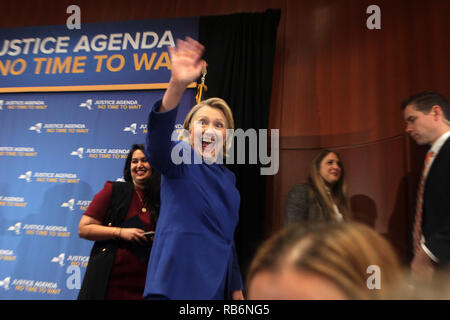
[{"x": 417, "y": 231}]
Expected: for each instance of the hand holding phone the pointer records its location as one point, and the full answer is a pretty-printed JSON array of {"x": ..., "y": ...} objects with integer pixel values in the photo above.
[{"x": 149, "y": 235}]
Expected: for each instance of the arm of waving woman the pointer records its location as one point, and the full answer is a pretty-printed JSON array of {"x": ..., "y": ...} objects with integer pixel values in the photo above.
[
  {"x": 92, "y": 229},
  {"x": 187, "y": 65}
]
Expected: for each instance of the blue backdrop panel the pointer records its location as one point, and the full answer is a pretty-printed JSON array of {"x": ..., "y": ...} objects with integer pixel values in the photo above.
[
  {"x": 52, "y": 162},
  {"x": 56, "y": 152}
]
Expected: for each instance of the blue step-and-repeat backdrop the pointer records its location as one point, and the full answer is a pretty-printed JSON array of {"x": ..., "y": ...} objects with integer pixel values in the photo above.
[{"x": 69, "y": 112}]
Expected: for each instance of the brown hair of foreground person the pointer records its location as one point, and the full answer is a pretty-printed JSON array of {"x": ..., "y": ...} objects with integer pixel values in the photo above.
[{"x": 323, "y": 261}]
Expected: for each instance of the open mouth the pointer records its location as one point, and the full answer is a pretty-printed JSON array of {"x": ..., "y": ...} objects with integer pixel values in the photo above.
[{"x": 207, "y": 141}]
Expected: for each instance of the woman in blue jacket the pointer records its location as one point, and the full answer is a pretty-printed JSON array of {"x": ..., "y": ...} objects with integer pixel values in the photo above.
[{"x": 193, "y": 255}]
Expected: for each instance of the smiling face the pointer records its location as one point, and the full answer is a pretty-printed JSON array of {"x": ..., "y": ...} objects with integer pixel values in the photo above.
[
  {"x": 140, "y": 168},
  {"x": 208, "y": 131},
  {"x": 330, "y": 168}
]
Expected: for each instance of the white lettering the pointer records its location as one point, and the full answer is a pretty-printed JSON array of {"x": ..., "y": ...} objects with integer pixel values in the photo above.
[
  {"x": 374, "y": 20},
  {"x": 73, "y": 21}
]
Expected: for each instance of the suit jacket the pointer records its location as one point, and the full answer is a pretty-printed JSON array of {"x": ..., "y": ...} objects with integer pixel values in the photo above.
[
  {"x": 301, "y": 208},
  {"x": 436, "y": 206}
]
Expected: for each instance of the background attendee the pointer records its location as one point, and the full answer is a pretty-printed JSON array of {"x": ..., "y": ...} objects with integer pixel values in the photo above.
[
  {"x": 324, "y": 196},
  {"x": 193, "y": 255},
  {"x": 427, "y": 116},
  {"x": 116, "y": 220},
  {"x": 324, "y": 261}
]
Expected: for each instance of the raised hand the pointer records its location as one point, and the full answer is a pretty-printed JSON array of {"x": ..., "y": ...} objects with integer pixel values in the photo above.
[{"x": 187, "y": 64}]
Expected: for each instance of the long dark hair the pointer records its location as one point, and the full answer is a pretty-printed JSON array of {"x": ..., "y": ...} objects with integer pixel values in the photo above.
[{"x": 152, "y": 186}]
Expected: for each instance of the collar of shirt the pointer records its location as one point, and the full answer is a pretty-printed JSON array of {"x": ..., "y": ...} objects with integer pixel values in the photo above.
[{"x": 436, "y": 146}]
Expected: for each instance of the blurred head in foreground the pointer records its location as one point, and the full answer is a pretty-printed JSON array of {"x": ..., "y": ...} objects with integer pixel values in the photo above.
[{"x": 324, "y": 261}]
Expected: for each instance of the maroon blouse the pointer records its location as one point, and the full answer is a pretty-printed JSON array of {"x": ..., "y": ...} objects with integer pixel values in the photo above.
[{"x": 128, "y": 273}]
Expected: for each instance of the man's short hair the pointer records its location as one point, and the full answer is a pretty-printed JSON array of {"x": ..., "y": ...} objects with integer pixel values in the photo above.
[{"x": 425, "y": 100}]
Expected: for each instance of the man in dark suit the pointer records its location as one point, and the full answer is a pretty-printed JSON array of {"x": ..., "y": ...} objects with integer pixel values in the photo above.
[{"x": 427, "y": 117}]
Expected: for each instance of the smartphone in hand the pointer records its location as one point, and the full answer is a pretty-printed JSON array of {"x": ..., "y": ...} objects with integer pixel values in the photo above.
[{"x": 150, "y": 235}]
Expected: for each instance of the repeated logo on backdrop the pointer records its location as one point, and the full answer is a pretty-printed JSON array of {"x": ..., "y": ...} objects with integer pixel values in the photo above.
[
  {"x": 57, "y": 150},
  {"x": 22, "y": 105},
  {"x": 52, "y": 163}
]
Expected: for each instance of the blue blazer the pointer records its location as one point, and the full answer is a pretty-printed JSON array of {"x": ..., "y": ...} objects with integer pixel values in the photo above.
[{"x": 193, "y": 254}]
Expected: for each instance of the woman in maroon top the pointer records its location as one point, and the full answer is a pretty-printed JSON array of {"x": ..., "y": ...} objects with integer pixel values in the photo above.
[{"x": 117, "y": 219}]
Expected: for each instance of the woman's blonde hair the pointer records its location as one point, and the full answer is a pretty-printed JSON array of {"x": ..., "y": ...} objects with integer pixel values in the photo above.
[
  {"x": 338, "y": 191},
  {"x": 340, "y": 252},
  {"x": 216, "y": 103}
]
